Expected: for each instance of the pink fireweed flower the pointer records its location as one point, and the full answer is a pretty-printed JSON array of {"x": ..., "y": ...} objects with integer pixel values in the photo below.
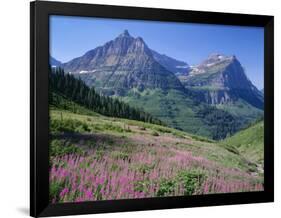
[
  {"x": 83, "y": 176},
  {"x": 88, "y": 194},
  {"x": 206, "y": 187},
  {"x": 64, "y": 192},
  {"x": 79, "y": 199}
]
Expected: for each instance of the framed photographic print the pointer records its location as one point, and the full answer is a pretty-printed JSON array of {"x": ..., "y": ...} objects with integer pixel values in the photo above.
[{"x": 141, "y": 109}]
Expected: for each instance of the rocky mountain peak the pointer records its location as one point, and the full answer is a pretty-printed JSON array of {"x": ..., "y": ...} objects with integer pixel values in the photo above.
[
  {"x": 222, "y": 70},
  {"x": 223, "y": 79},
  {"x": 125, "y": 33},
  {"x": 121, "y": 64}
]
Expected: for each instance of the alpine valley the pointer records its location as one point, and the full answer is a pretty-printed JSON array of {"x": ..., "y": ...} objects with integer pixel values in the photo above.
[
  {"x": 128, "y": 122},
  {"x": 214, "y": 99}
]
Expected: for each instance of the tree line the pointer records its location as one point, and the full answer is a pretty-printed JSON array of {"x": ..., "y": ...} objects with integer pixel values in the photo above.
[{"x": 77, "y": 91}]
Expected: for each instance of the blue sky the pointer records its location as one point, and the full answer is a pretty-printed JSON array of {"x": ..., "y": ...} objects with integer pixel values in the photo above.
[{"x": 71, "y": 37}]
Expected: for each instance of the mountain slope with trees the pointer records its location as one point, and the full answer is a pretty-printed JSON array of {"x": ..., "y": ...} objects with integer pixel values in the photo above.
[{"x": 77, "y": 91}]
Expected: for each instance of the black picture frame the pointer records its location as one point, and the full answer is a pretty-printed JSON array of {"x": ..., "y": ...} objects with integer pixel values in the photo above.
[{"x": 39, "y": 119}]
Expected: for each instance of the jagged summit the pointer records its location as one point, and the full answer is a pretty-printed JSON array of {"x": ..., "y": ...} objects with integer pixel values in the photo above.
[{"x": 125, "y": 33}]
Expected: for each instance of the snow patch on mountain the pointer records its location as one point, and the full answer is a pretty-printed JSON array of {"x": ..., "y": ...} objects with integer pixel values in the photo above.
[{"x": 86, "y": 71}]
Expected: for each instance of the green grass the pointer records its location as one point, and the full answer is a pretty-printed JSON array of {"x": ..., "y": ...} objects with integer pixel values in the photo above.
[
  {"x": 62, "y": 147},
  {"x": 122, "y": 139},
  {"x": 249, "y": 142},
  {"x": 191, "y": 180},
  {"x": 68, "y": 122},
  {"x": 67, "y": 125},
  {"x": 121, "y": 132},
  {"x": 62, "y": 103}
]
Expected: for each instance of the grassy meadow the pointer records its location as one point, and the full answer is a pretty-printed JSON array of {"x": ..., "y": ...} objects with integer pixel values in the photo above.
[{"x": 96, "y": 157}]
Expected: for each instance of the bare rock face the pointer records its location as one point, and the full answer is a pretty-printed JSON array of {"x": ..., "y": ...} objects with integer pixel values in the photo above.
[
  {"x": 221, "y": 79},
  {"x": 218, "y": 97},
  {"x": 121, "y": 64}
]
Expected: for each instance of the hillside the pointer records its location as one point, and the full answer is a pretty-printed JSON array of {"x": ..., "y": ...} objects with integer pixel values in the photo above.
[
  {"x": 249, "y": 142},
  {"x": 133, "y": 159},
  {"x": 179, "y": 111}
]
